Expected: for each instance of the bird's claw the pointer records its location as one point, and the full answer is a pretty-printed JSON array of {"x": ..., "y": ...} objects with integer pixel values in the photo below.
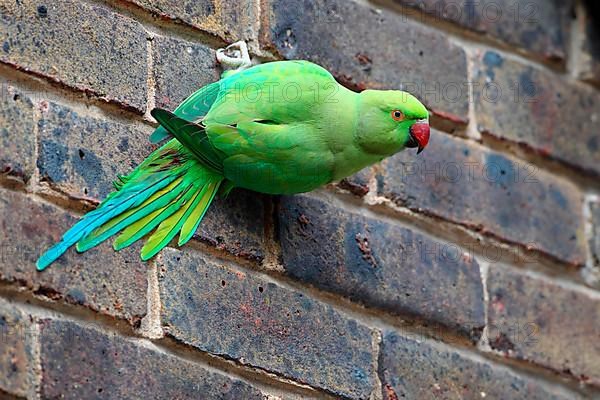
[{"x": 234, "y": 57}]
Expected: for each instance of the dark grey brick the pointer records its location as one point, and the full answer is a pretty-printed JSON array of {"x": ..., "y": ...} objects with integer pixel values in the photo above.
[
  {"x": 225, "y": 311},
  {"x": 539, "y": 110},
  {"x": 82, "y": 46},
  {"x": 15, "y": 350},
  {"x": 368, "y": 49},
  {"x": 491, "y": 193},
  {"x": 83, "y": 155},
  {"x": 80, "y": 362},
  {"x": 231, "y": 21},
  {"x": 103, "y": 280},
  {"x": 180, "y": 68},
  {"x": 539, "y": 26},
  {"x": 17, "y": 135},
  {"x": 538, "y": 320},
  {"x": 422, "y": 369},
  {"x": 589, "y": 56},
  {"x": 594, "y": 241},
  {"x": 380, "y": 265},
  {"x": 236, "y": 224}
]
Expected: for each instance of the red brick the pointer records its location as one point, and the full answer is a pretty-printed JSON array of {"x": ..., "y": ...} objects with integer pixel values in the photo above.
[
  {"x": 80, "y": 45},
  {"x": 490, "y": 192},
  {"x": 101, "y": 279},
  {"x": 223, "y": 310},
  {"x": 81, "y": 362},
  {"x": 547, "y": 323},
  {"x": 363, "y": 48},
  {"x": 539, "y": 110}
]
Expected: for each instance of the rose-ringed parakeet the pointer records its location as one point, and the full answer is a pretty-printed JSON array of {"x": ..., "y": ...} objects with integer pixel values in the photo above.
[{"x": 279, "y": 128}]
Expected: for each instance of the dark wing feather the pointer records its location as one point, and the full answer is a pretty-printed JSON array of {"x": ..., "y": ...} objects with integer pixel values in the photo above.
[
  {"x": 193, "y": 108},
  {"x": 192, "y": 136}
]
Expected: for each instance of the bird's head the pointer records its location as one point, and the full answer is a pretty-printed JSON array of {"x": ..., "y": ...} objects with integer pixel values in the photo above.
[{"x": 391, "y": 120}]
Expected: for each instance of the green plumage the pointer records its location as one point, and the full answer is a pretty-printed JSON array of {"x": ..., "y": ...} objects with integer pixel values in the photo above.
[{"x": 280, "y": 128}]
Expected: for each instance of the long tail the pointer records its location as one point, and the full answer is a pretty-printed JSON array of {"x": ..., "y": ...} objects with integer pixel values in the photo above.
[{"x": 169, "y": 192}]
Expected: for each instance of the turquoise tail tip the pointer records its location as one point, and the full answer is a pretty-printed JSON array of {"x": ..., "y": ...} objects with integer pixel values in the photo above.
[
  {"x": 50, "y": 256},
  {"x": 41, "y": 264}
]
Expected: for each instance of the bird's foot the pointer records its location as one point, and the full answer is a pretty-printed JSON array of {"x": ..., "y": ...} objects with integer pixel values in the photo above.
[{"x": 234, "y": 58}]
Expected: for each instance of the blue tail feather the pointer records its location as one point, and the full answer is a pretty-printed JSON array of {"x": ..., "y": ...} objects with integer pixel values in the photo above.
[{"x": 111, "y": 207}]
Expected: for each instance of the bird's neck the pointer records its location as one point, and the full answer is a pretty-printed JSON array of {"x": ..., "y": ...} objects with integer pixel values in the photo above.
[
  {"x": 374, "y": 135},
  {"x": 348, "y": 147}
]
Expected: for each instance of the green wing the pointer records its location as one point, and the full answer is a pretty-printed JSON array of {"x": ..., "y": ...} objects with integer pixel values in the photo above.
[
  {"x": 192, "y": 109},
  {"x": 198, "y": 104},
  {"x": 272, "y": 158},
  {"x": 273, "y": 122},
  {"x": 277, "y": 92}
]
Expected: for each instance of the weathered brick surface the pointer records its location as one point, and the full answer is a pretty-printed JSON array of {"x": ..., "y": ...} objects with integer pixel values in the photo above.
[
  {"x": 101, "y": 279},
  {"x": 421, "y": 369},
  {"x": 589, "y": 56},
  {"x": 225, "y": 311},
  {"x": 80, "y": 362},
  {"x": 595, "y": 237},
  {"x": 87, "y": 47},
  {"x": 15, "y": 350},
  {"x": 17, "y": 141},
  {"x": 358, "y": 183},
  {"x": 526, "y": 105},
  {"x": 539, "y": 26},
  {"x": 403, "y": 54},
  {"x": 232, "y": 21},
  {"x": 236, "y": 224},
  {"x": 380, "y": 265},
  {"x": 492, "y": 193},
  {"x": 83, "y": 155},
  {"x": 541, "y": 321},
  {"x": 180, "y": 68}
]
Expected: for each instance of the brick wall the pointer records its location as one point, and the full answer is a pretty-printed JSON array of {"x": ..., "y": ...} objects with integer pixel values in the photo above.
[{"x": 470, "y": 271}]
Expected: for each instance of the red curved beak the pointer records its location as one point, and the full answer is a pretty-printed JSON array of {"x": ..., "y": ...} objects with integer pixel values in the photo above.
[{"x": 419, "y": 135}]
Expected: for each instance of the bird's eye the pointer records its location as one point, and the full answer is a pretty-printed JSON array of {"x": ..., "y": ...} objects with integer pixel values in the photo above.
[{"x": 397, "y": 115}]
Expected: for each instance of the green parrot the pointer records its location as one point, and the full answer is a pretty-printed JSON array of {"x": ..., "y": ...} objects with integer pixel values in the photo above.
[{"x": 282, "y": 127}]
